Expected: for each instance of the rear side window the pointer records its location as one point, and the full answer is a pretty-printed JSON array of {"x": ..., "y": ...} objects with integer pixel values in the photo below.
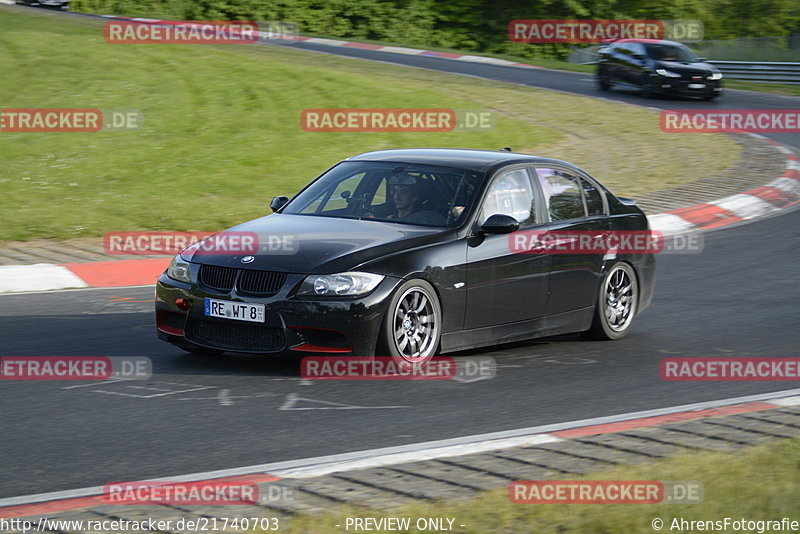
[
  {"x": 562, "y": 193},
  {"x": 593, "y": 198}
]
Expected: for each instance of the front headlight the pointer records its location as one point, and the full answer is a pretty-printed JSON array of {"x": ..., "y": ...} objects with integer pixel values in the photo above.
[
  {"x": 179, "y": 269},
  {"x": 339, "y": 285},
  {"x": 715, "y": 76},
  {"x": 667, "y": 73}
]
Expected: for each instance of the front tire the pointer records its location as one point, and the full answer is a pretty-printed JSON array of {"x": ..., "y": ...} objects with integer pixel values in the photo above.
[
  {"x": 649, "y": 90},
  {"x": 412, "y": 326},
  {"x": 616, "y": 303},
  {"x": 603, "y": 82}
]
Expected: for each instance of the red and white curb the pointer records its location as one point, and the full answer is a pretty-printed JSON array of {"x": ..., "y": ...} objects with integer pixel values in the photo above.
[
  {"x": 38, "y": 277},
  {"x": 48, "y": 277},
  {"x": 60, "y": 501},
  {"x": 405, "y": 51},
  {"x": 273, "y": 36},
  {"x": 779, "y": 194}
]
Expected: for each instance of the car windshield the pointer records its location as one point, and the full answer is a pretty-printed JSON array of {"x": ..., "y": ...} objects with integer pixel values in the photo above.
[
  {"x": 394, "y": 192},
  {"x": 665, "y": 52}
]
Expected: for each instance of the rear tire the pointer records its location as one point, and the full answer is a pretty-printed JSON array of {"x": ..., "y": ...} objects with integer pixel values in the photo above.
[
  {"x": 412, "y": 325},
  {"x": 617, "y": 302}
]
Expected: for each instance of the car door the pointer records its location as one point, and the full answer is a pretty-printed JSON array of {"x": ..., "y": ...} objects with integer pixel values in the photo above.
[
  {"x": 574, "y": 205},
  {"x": 616, "y": 60},
  {"x": 639, "y": 71},
  {"x": 503, "y": 285},
  {"x": 630, "y": 64}
]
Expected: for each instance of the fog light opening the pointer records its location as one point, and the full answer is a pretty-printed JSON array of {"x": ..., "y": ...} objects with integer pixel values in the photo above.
[{"x": 321, "y": 340}]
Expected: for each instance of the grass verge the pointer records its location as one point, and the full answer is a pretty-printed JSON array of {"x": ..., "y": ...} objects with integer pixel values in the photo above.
[
  {"x": 776, "y": 88},
  {"x": 221, "y": 132},
  {"x": 762, "y": 483}
]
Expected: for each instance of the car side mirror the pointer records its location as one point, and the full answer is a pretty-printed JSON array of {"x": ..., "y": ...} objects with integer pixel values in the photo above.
[
  {"x": 278, "y": 202},
  {"x": 500, "y": 223}
]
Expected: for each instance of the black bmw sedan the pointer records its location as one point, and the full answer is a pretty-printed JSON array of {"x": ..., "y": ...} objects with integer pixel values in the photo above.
[
  {"x": 657, "y": 67},
  {"x": 406, "y": 253}
]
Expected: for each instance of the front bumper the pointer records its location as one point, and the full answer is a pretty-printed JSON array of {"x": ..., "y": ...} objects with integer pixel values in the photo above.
[
  {"x": 687, "y": 87},
  {"x": 340, "y": 326}
]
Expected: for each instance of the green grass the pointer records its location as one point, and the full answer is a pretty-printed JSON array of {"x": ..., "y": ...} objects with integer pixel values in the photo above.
[
  {"x": 221, "y": 131},
  {"x": 761, "y": 483},
  {"x": 776, "y": 88}
]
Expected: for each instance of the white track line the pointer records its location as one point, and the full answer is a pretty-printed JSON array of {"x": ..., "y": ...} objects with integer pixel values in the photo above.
[{"x": 788, "y": 401}]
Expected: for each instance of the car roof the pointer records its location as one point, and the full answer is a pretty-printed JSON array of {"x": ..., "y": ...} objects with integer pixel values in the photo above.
[
  {"x": 461, "y": 158},
  {"x": 646, "y": 41}
]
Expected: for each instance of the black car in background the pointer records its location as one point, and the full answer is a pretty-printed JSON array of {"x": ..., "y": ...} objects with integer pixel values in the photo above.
[
  {"x": 657, "y": 67},
  {"x": 408, "y": 252}
]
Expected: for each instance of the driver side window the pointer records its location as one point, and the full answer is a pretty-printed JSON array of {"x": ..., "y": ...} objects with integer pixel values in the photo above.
[
  {"x": 511, "y": 193},
  {"x": 638, "y": 49}
]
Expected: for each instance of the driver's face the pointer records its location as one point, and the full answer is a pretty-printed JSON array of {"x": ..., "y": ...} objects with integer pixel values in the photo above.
[{"x": 403, "y": 196}]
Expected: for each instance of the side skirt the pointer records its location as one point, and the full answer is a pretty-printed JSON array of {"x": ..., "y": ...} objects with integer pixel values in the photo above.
[{"x": 562, "y": 323}]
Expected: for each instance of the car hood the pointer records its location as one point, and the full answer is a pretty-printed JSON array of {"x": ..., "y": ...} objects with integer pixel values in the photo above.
[
  {"x": 317, "y": 245},
  {"x": 687, "y": 68}
]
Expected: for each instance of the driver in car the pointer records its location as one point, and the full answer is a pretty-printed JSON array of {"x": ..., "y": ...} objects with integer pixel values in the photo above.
[
  {"x": 409, "y": 202},
  {"x": 403, "y": 188}
]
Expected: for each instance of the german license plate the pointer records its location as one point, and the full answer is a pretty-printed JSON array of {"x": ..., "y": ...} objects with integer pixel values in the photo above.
[
  {"x": 697, "y": 86},
  {"x": 238, "y": 311}
]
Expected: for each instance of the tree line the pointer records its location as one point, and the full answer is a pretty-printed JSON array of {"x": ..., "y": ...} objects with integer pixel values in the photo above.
[{"x": 469, "y": 25}]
